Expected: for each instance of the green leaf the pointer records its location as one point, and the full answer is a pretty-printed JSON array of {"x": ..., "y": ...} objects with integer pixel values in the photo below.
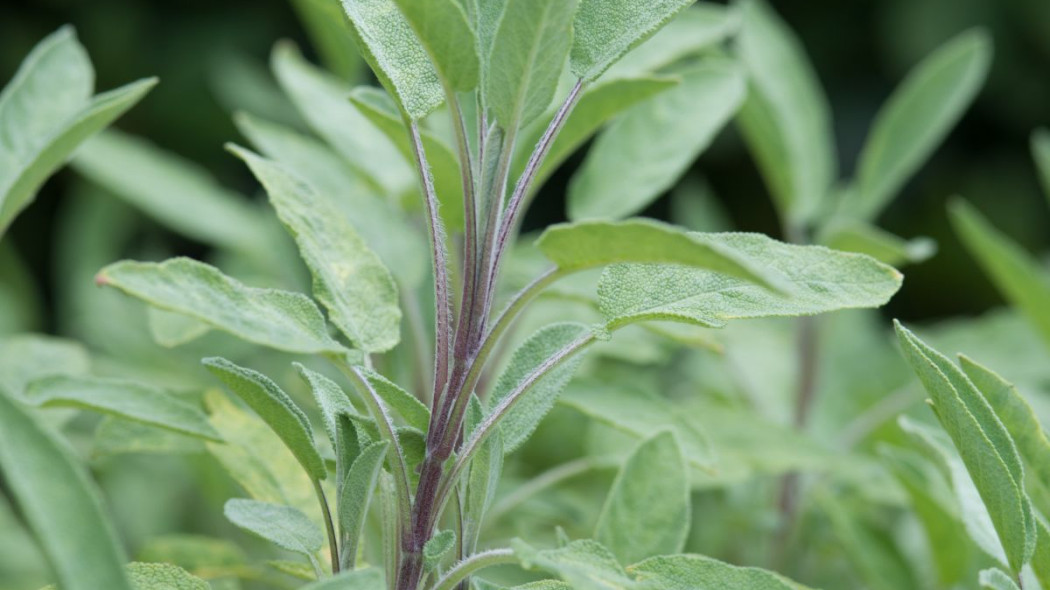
[
  {"x": 354, "y": 497},
  {"x": 365, "y": 579},
  {"x": 696, "y": 572},
  {"x": 175, "y": 192},
  {"x": 59, "y": 503},
  {"x": 46, "y": 112},
  {"x": 163, "y": 576},
  {"x": 483, "y": 477},
  {"x": 786, "y": 120},
  {"x": 278, "y": 319},
  {"x": 647, "y": 510},
  {"x": 983, "y": 443},
  {"x": 529, "y": 50},
  {"x": 1041, "y": 557},
  {"x": 414, "y": 412},
  {"x": 331, "y": 400},
  {"x": 25, "y": 358},
  {"x": 123, "y": 399},
  {"x": 917, "y": 117},
  {"x": 995, "y": 579},
  {"x": 396, "y": 55},
  {"x": 172, "y": 330},
  {"x": 519, "y": 423},
  {"x": 643, "y": 154},
  {"x": 820, "y": 281},
  {"x": 199, "y": 555},
  {"x": 275, "y": 407},
  {"x": 436, "y": 548},
  {"x": 349, "y": 279},
  {"x": 446, "y": 34},
  {"x": 1041, "y": 154},
  {"x": 115, "y": 436},
  {"x": 585, "y": 565},
  {"x": 330, "y": 33},
  {"x": 607, "y": 29},
  {"x": 1021, "y": 279},
  {"x": 283, "y": 526},
  {"x": 862, "y": 238}
]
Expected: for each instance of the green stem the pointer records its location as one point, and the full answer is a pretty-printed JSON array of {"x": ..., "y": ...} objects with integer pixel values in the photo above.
[
  {"x": 333, "y": 543},
  {"x": 479, "y": 561}
]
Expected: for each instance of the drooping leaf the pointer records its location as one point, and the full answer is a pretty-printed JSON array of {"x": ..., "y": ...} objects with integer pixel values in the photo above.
[
  {"x": 413, "y": 411},
  {"x": 519, "y": 423},
  {"x": 25, "y": 358},
  {"x": 995, "y": 579},
  {"x": 647, "y": 510},
  {"x": 397, "y": 56},
  {"x": 355, "y": 496},
  {"x": 278, "y": 319},
  {"x": 326, "y": 24},
  {"x": 645, "y": 151},
  {"x": 786, "y": 120},
  {"x": 163, "y": 576},
  {"x": 283, "y": 526},
  {"x": 529, "y": 50},
  {"x": 696, "y": 572},
  {"x": 916, "y": 119},
  {"x": 59, "y": 503},
  {"x": 585, "y": 565},
  {"x": 171, "y": 330},
  {"x": 1041, "y": 154},
  {"x": 436, "y": 548},
  {"x": 445, "y": 32},
  {"x": 881, "y": 245},
  {"x": 607, "y": 29},
  {"x": 275, "y": 407},
  {"x": 363, "y": 579},
  {"x": 123, "y": 399},
  {"x": 820, "y": 280}
]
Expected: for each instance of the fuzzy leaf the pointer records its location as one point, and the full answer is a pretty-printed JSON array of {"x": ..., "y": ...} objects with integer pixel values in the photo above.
[
  {"x": 647, "y": 510},
  {"x": 585, "y": 565},
  {"x": 1041, "y": 154},
  {"x": 820, "y": 281},
  {"x": 25, "y": 358},
  {"x": 436, "y": 548},
  {"x": 115, "y": 436},
  {"x": 786, "y": 120},
  {"x": 397, "y": 57},
  {"x": 862, "y": 238},
  {"x": 59, "y": 503},
  {"x": 163, "y": 576},
  {"x": 283, "y": 526},
  {"x": 330, "y": 34},
  {"x": 695, "y": 572},
  {"x": 171, "y": 330},
  {"x": 446, "y": 34},
  {"x": 355, "y": 496},
  {"x": 413, "y": 411},
  {"x": 123, "y": 399},
  {"x": 363, "y": 579},
  {"x": 275, "y": 407},
  {"x": 607, "y": 29},
  {"x": 917, "y": 117},
  {"x": 482, "y": 478},
  {"x": 642, "y": 154},
  {"x": 528, "y": 53},
  {"x": 331, "y": 400},
  {"x": 278, "y": 319},
  {"x": 995, "y": 579}
]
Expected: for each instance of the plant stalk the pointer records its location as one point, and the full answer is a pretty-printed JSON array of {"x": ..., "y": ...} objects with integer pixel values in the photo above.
[{"x": 333, "y": 542}]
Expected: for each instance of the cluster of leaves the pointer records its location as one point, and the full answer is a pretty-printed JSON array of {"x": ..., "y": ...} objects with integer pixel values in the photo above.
[{"x": 449, "y": 432}]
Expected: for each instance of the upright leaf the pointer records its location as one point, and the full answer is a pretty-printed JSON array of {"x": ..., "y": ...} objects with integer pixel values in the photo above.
[
  {"x": 283, "y": 526},
  {"x": 413, "y": 411},
  {"x": 482, "y": 478},
  {"x": 644, "y": 152},
  {"x": 275, "y": 407},
  {"x": 916, "y": 119},
  {"x": 436, "y": 548},
  {"x": 326, "y": 24},
  {"x": 585, "y": 565},
  {"x": 995, "y": 579},
  {"x": 1041, "y": 154},
  {"x": 607, "y": 29},
  {"x": 695, "y": 572},
  {"x": 59, "y": 503},
  {"x": 443, "y": 28},
  {"x": 647, "y": 510},
  {"x": 331, "y": 400},
  {"x": 278, "y": 319},
  {"x": 354, "y": 497}
]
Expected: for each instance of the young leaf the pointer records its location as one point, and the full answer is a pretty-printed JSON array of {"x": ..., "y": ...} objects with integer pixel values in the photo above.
[
  {"x": 519, "y": 423},
  {"x": 1041, "y": 154},
  {"x": 585, "y": 565},
  {"x": 283, "y": 526},
  {"x": 695, "y": 572},
  {"x": 529, "y": 50},
  {"x": 436, "y": 548},
  {"x": 397, "y": 57},
  {"x": 607, "y": 29},
  {"x": 355, "y": 496},
  {"x": 644, "y": 152},
  {"x": 647, "y": 510},
  {"x": 413, "y": 411},
  {"x": 124, "y": 399},
  {"x": 983, "y": 443},
  {"x": 485, "y": 469},
  {"x": 278, "y": 319},
  {"x": 786, "y": 120},
  {"x": 331, "y": 399},
  {"x": 820, "y": 280},
  {"x": 917, "y": 118},
  {"x": 25, "y": 358},
  {"x": 59, "y": 503},
  {"x": 446, "y": 34},
  {"x": 1022, "y": 280},
  {"x": 995, "y": 579},
  {"x": 163, "y": 576},
  {"x": 349, "y": 279},
  {"x": 275, "y": 407},
  {"x": 863, "y": 238}
]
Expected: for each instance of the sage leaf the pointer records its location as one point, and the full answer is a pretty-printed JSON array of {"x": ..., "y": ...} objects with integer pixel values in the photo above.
[
  {"x": 414, "y": 412},
  {"x": 584, "y": 564},
  {"x": 59, "y": 503},
  {"x": 519, "y": 423},
  {"x": 820, "y": 281},
  {"x": 349, "y": 279},
  {"x": 363, "y": 579},
  {"x": 529, "y": 51},
  {"x": 115, "y": 436},
  {"x": 445, "y": 32},
  {"x": 917, "y": 117},
  {"x": 163, "y": 576},
  {"x": 46, "y": 112},
  {"x": 25, "y": 358},
  {"x": 275, "y": 408},
  {"x": 607, "y": 29},
  {"x": 278, "y": 319},
  {"x": 786, "y": 120},
  {"x": 483, "y": 476},
  {"x": 1041, "y": 154},
  {"x": 863, "y": 238},
  {"x": 436, "y": 548},
  {"x": 696, "y": 572},
  {"x": 329, "y": 31},
  {"x": 983, "y": 443},
  {"x": 354, "y": 497},
  {"x": 123, "y": 399},
  {"x": 398, "y": 58},
  {"x": 1019, "y": 277},
  {"x": 283, "y": 526},
  {"x": 646, "y": 150},
  {"x": 995, "y": 579},
  {"x": 330, "y": 398},
  {"x": 171, "y": 330},
  {"x": 647, "y": 510}
]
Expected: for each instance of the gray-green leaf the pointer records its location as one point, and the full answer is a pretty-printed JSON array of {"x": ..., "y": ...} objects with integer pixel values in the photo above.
[
  {"x": 607, "y": 29},
  {"x": 585, "y": 565},
  {"x": 864, "y": 238},
  {"x": 355, "y": 496},
  {"x": 995, "y": 579},
  {"x": 364, "y": 579},
  {"x": 283, "y": 526},
  {"x": 446, "y": 34},
  {"x": 486, "y": 466},
  {"x": 436, "y": 548},
  {"x": 696, "y": 572},
  {"x": 331, "y": 400},
  {"x": 27, "y": 357},
  {"x": 163, "y": 576},
  {"x": 413, "y": 411}
]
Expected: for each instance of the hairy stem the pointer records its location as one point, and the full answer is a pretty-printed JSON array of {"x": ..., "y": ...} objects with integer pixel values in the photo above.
[
  {"x": 333, "y": 543},
  {"x": 462, "y": 570}
]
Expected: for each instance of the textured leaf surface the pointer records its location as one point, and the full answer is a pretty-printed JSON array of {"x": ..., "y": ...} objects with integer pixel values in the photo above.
[
  {"x": 917, "y": 117},
  {"x": 124, "y": 399},
  {"x": 443, "y": 28},
  {"x": 278, "y": 319},
  {"x": 163, "y": 576},
  {"x": 585, "y": 565},
  {"x": 283, "y": 526},
  {"x": 171, "y": 330},
  {"x": 644, "y": 152},
  {"x": 995, "y": 579},
  {"x": 820, "y": 280},
  {"x": 647, "y": 510},
  {"x": 275, "y": 407},
  {"x": 356, "y": 494},
  {"x": 695, "y": 572},
  {"x": 59, "y": 503},
  {"x": 881, "y": 245},
  {"x": 27, "y": 357},
  {"x": 331, "y": 400},
  {"x": 413, "y": 411},
  {"x": 607, "y": 29},
  {"x": 364, "y": 579},
  {"x": 115, "y": 436},
  {"x": 437, "y": 547},
  {"x": 485, "y": 469}
]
